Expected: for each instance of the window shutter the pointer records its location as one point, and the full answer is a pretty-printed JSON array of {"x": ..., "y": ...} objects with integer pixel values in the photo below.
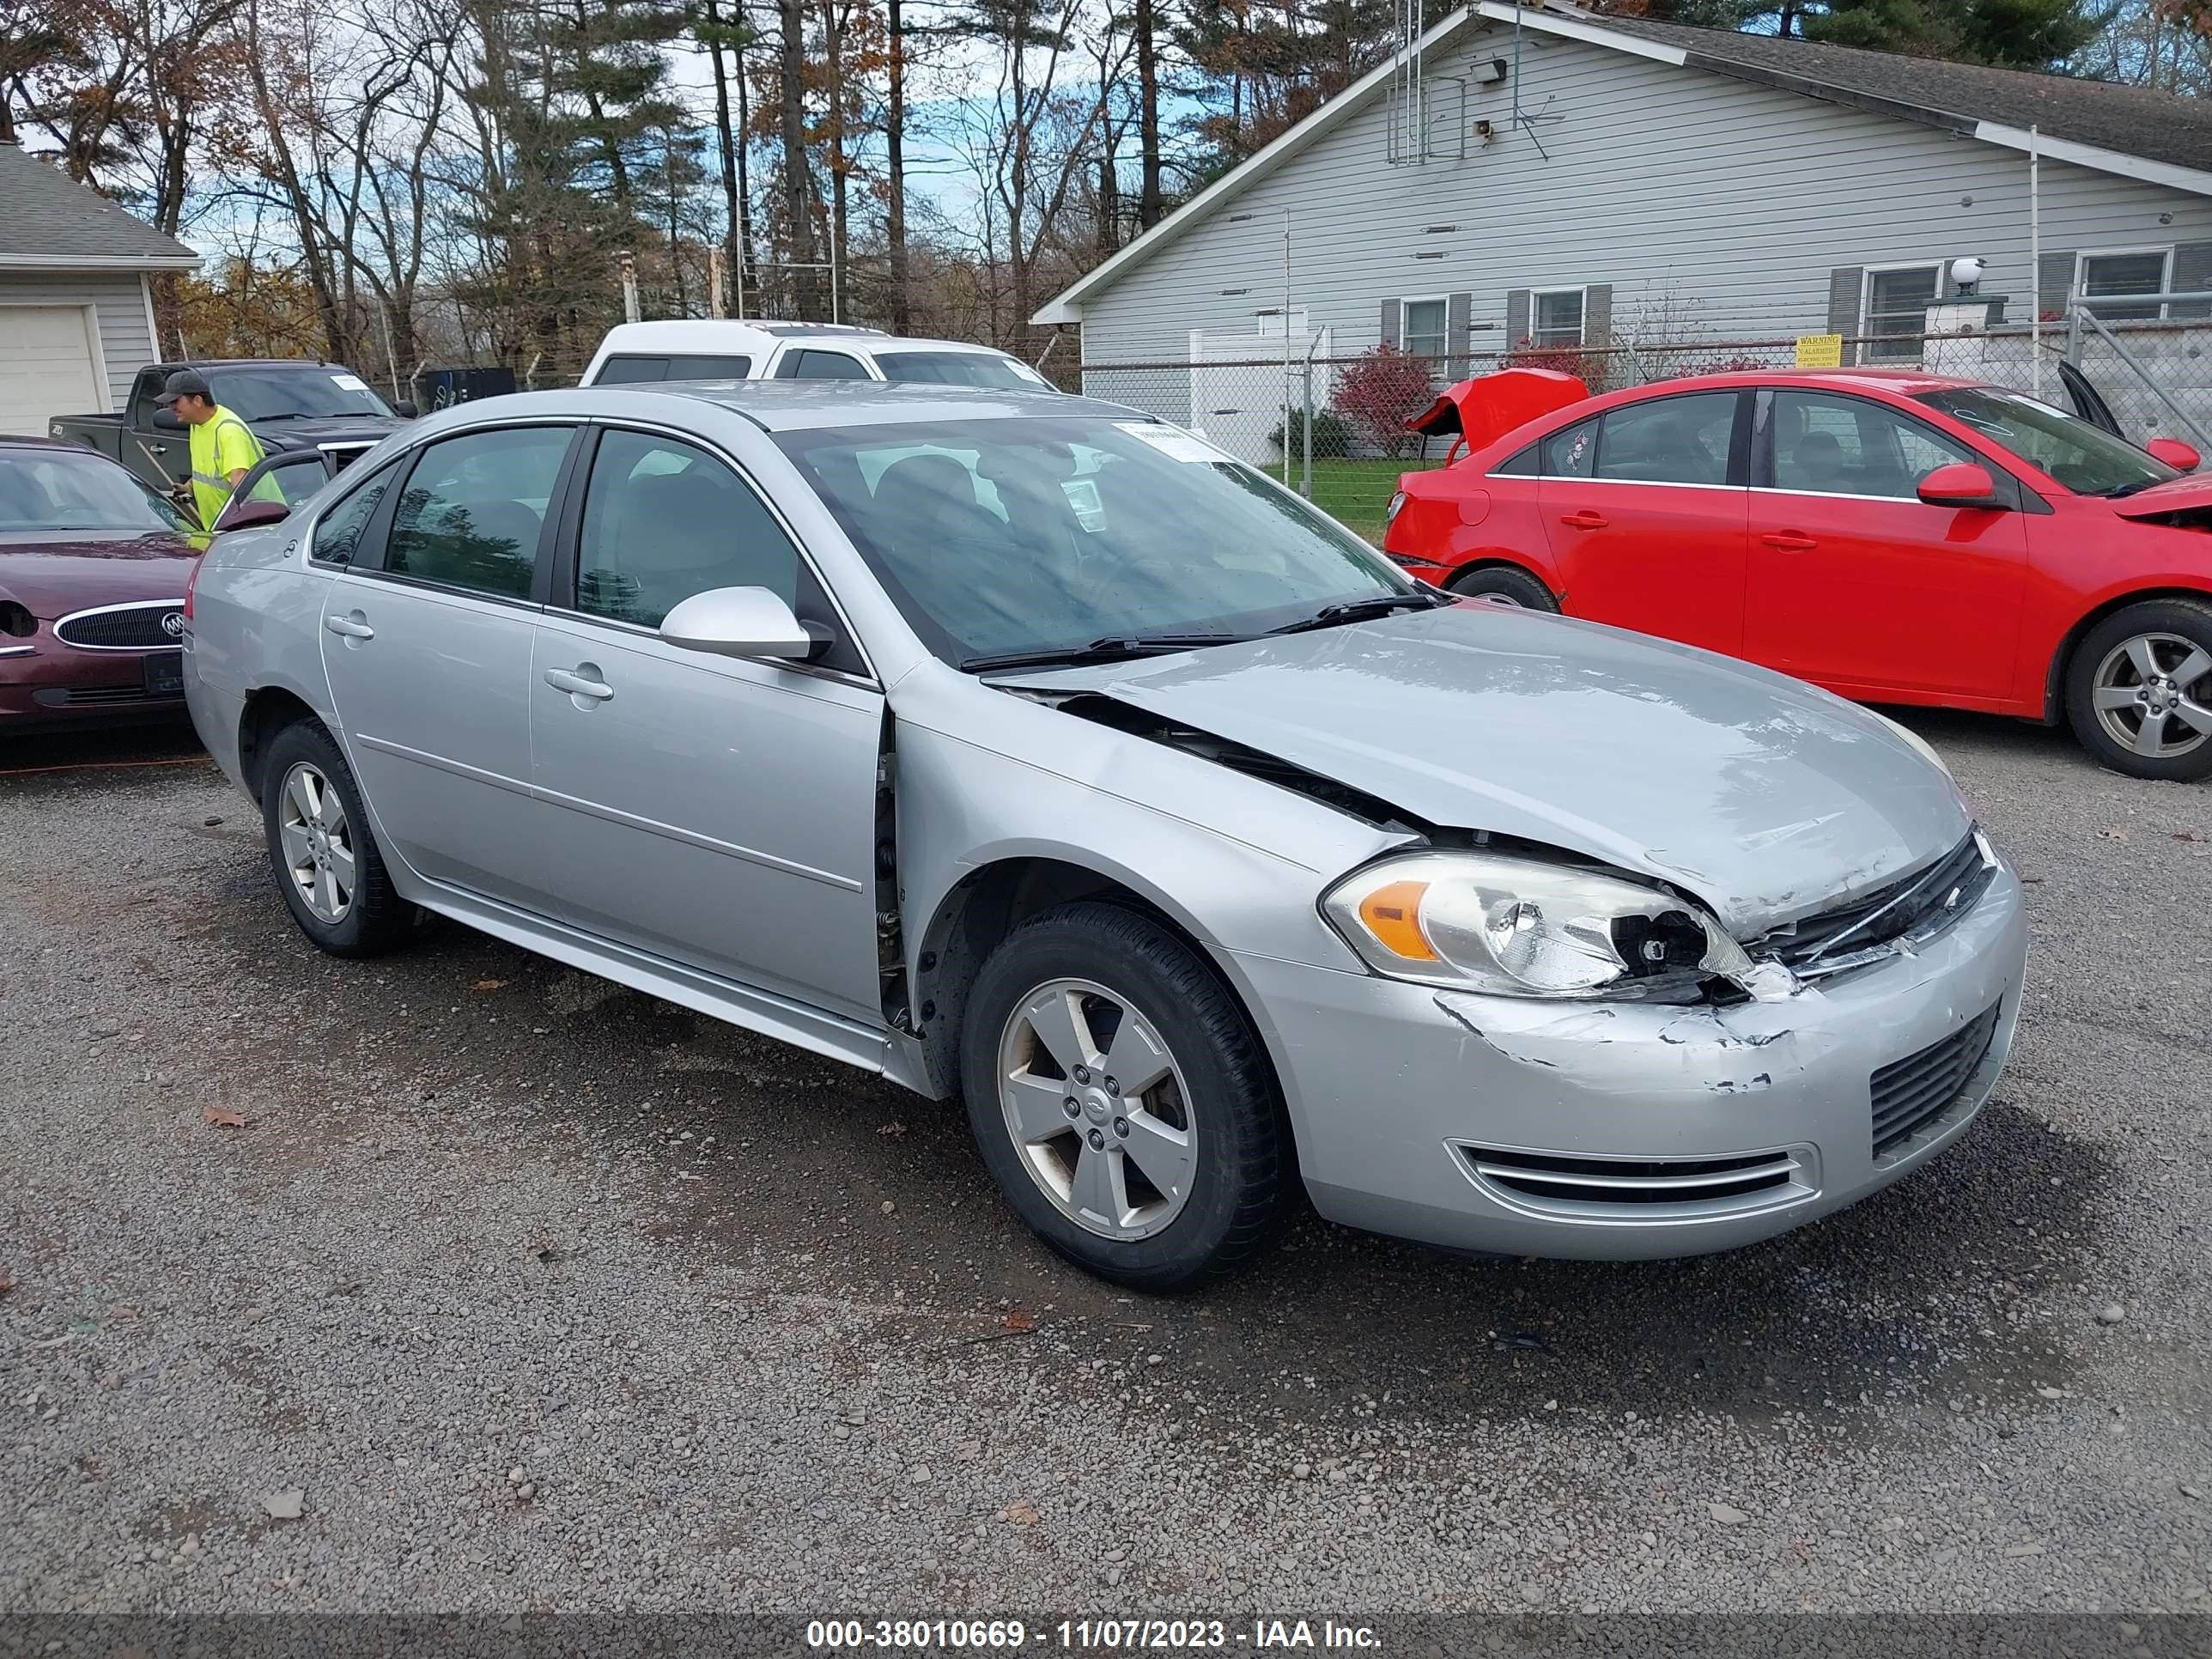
[
  {"x": 2054, "y": 280},
  {"x": 1517, "y": 319},
  {"x": 1845, "y": 284},
  {"x": 1597, "y": 316},
  {"x": 2192, "y": 274},
  {"x": 1389, "y": 335},
  {"x": 1458, "y": 309}
]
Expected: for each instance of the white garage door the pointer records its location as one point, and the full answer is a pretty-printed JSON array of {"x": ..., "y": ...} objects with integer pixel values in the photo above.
[{"x": 45, "y": 366}]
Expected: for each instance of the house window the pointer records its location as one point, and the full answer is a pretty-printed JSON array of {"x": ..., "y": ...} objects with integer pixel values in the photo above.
[
  {"x": 1897, "y": 302},
  {"x": 2139, "y": 270},
  {"x": 1422, "y": 329},
  {"x": 1556, "y": 318}
]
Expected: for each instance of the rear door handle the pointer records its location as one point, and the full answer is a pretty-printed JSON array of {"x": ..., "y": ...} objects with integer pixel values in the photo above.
[
  {"x": 353, "y": 627},
  {"x": 1584, "y": 519},
  {"x": 581, "y": 681},
  {"x": 1789, "y": 541}
]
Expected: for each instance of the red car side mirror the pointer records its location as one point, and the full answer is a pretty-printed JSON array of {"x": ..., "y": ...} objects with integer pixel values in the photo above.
[
  {"x": 245, "y": 514},
  {"x": 1961, "y": 483},
  {"x": 2182, "y": 457}
]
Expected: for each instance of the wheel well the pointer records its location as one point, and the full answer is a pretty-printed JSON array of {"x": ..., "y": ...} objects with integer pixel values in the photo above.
[
  {"x": 267, "y": 713},
  {"x": 1474, "y": 565},
  {"x": 2054, "y": 679},
  {"x": 980, "y": 912}
]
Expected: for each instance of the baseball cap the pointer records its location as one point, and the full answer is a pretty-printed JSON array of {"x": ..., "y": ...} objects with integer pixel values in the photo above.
[{"x": 185, "y": 383}]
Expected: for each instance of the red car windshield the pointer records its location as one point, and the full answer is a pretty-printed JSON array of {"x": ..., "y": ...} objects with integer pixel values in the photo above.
[
  {"x": 68, "y": 490},
  {"x": 2088, "y": 459}
]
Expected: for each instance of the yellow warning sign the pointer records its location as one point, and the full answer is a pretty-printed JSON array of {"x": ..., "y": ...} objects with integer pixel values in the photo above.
[{"x": 1819, "y": 351}]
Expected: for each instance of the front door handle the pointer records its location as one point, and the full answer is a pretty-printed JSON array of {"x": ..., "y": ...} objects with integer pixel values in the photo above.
[
  {"x": 1789, "y": 541},
  {"x": 354, "y": 627},
  {"x": 581, "y": 681},
  {"x": 1584, "y": 519}
]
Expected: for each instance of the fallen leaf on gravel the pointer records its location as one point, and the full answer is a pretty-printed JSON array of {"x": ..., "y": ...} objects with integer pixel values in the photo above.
[
  {"x": 1018, "y": 1319},
  {"x": 2184, "y": 835},
  {"x": 553, "y": 1253},
  {"x": 2111, "y": 835},
  {"x": 1022, "y": 1514},
  {"x": 221, "y": 1117},
  {"x": 6, "y": 1281},
  {"x": 893, "y": 1130},
  {"x": 286, "y": 1505},
  {"x": 1728, "y": 1514},
  {"x": 487, "y": 985},
  {"x": 2016, "y": 1550}
]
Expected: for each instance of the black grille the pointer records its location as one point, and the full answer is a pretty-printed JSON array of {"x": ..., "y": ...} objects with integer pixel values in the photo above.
[
  {"x": 76, "y": 696},
  {"x": 1909, "y": 1092},
  {"x": 1553, "y": 1178},
  {"x": 1950, "y": 884},
  {"x": 132, "y": 628}
]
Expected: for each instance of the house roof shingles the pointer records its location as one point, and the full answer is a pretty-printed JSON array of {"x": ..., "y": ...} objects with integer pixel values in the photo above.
[
  {"x": 2156, "y": 127},
  {"x": 47, "y": 216}
]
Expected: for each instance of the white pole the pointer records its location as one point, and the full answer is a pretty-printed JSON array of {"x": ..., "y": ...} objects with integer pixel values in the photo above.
[
  {"x": 717, "y": 264},
  {"x": 1286, "y": 349},
  {"x": 628, "y": 268},
  {"x": 2035, "y": 260}
]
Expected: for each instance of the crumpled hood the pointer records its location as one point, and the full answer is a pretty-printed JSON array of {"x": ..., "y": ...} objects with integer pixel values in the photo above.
[
  {"x": 1763, "y": 796},
  {"x": 54, "y": 572},
  {"x": 2174, "y": 495}
]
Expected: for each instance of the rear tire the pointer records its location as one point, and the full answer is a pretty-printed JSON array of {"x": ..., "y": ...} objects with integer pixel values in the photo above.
[
  {"x": 1504, "y": 584},
  {"x": 2139, "y": 690},
  {"x": 328, "y": 869},
  {"x": 1158, "y": 1180}
]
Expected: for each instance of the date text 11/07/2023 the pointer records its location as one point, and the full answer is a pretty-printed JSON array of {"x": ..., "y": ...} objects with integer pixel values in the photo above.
[{"x": 1087, "y": 1634}]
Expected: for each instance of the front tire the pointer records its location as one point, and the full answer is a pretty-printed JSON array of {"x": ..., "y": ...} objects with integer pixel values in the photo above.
[
  {"x": 1121, "y": 1099},
  {"x": 2139, "y": 690},
  {"x": 328, "y": 869},
  {"x": 1504, "y": 584}
]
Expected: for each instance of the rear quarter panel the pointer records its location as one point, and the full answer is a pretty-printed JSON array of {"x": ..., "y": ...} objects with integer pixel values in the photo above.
[{"x": 1457, "y": 516}]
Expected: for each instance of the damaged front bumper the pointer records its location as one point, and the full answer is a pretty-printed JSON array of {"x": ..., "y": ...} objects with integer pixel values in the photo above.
[{"x": 1624, "y": 1129}]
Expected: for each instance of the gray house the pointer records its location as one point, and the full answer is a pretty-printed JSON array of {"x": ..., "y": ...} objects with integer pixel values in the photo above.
[
  {"x": 76, "y": 316},
  {"x": 1542, "y": 177}
]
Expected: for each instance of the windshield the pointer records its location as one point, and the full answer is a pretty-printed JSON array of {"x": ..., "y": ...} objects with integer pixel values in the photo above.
[
  {"x": 61, "y": 489},
  {"x": 1005, "y": 537},
  {"x": 2088, "y": 459},
  {"x": 985, "y": 369},
  {"x": 313, "y": 391}
]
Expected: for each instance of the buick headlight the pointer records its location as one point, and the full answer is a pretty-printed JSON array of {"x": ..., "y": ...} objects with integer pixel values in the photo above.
[{"x": 1511, "y": 927}]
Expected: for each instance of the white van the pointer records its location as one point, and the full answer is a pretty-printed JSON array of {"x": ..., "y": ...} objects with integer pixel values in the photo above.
[{"x": 729, "y": 349}]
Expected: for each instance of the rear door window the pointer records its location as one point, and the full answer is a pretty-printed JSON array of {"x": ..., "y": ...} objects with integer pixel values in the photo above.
[
  {"x": 473, "y": 510},
  {"x": 1684, "y": 439}
]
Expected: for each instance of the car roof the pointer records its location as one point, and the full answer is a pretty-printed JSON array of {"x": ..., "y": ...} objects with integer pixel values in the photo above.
[
  {"x": 670, "y": 332},
  {"x": 898, "y": 343},
  {"x": 1904, "y": 382},
  {"x": 787, "y": 405}
]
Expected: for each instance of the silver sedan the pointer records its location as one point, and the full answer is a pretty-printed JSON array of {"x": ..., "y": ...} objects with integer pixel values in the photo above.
[{"x": 1028, "y": 750}]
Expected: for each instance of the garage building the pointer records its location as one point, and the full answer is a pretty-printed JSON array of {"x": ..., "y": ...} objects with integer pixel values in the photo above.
[{"x": 76, "y": 316}]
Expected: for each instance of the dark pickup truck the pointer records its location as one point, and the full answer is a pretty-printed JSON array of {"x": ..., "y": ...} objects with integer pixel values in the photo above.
[{"x": 291, "y": 405}]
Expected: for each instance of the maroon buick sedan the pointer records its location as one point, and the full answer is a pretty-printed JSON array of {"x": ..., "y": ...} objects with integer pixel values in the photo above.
[{"x": 93, "y": 569}]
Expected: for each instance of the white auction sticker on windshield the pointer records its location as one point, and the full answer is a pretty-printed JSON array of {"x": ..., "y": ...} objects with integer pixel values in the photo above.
[
  {"x": 1174, "y": 443},
  {"x": 349, "y": 382}
]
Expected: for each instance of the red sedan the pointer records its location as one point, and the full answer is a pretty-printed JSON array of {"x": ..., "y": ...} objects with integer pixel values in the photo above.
[
  {"x": 1895, "y": 537},
  {"x": 93, "y": 569}
]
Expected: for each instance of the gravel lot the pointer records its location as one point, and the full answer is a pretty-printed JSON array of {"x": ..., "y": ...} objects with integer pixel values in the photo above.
[{"x": 537, "y": 1293}]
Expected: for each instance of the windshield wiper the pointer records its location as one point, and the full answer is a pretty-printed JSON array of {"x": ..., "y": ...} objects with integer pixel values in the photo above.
[
  {"x": 2134, "y": 486},
  {"x": 1352, "y": 611},
  {"x": 1113, "y": 648}
]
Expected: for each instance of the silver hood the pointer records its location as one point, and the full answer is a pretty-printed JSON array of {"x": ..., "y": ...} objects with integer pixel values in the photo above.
[{"x": 1768, "y": 798}]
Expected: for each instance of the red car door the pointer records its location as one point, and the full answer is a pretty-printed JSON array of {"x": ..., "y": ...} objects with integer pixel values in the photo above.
[
  {"x": 1645, "y": 510},
  {"x": 1856, "y": 582}
]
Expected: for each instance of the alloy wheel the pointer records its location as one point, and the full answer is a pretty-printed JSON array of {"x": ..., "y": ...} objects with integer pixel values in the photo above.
[
  {"x": 1097, "y": 1110},
  {"x": 318, "y": 841},
  {"x": 2153, "y": 695}
]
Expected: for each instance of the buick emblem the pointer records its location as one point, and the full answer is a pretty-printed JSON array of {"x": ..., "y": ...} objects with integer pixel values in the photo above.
[{"x": 173, "y": 624}]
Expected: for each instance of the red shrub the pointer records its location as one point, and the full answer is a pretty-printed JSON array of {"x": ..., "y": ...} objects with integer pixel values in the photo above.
[{"x": 1382, "y": 390}]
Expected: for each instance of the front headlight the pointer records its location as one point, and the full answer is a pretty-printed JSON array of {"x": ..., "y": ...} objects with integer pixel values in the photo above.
[
  {"x": 1397, "y": 506},
  {"x": 1511, "y": 927},
  {"x": 1927, "y": 749}
]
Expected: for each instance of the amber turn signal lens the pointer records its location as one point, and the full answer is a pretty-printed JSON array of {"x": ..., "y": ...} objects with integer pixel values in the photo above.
[{"x": 1393, "y": 913}]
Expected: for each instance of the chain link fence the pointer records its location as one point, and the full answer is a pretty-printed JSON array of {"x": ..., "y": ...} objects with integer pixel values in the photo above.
[{"x": 2156, "y": 375}]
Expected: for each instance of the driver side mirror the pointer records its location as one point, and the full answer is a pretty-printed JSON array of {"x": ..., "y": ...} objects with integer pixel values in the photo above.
[
  {"x": 168, "y": 420},
  {"x": 1961, "y": 483},
  {"x": 404, "y": 408},
  {"x": 2182, "y": 457},
  {"x": 740, "y": 622},
  {"x": 246, "y": 513}
]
